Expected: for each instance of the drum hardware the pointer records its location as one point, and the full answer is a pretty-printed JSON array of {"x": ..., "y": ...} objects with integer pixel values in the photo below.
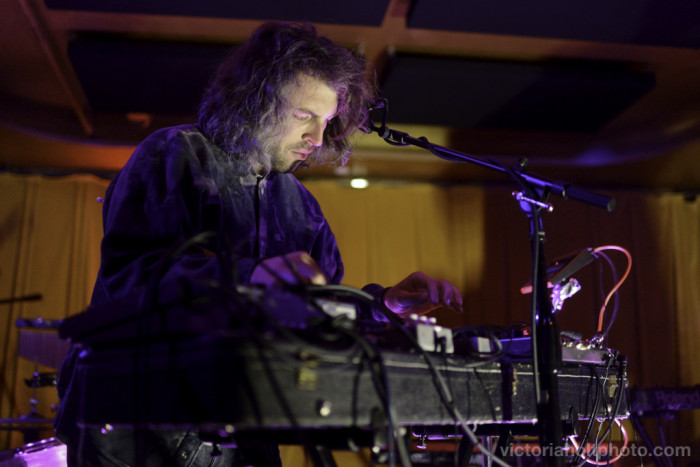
[
  {"x": 39, "y": 342},
  {"x": 40, "y": 380},
  {"x": 32, "y": 423},
  {"x": 46, "y": 452}
]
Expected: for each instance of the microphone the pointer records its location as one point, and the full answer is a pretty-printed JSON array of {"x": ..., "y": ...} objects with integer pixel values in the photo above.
[
  {"x": 383, "y": 106},
  {"x": 563, "y": 268},
  {"x": 569, "y": 265}
]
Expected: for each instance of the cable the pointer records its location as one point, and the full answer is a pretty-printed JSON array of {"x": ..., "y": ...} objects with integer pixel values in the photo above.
[
  {"x": 438, "y": 380},
  {"x": 277, "y": 390},
  {"x": 617, "y": 302},
  {"x": 598, "y": 397},
  {"x": 378, "y": 373},
  {"x": 444, "y": 393},
  {"x": 382, "y": 386},
  {"x": 609, "y": 461},
  {"x": 619, "y": 283},
  {"x": 250, "y": 321},
  {"x": 481, "y": 332},
  {"x": 612, "y": 416}
]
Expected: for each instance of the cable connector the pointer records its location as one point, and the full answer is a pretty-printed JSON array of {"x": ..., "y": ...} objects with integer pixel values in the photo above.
[{"x": 429, "y": 335}]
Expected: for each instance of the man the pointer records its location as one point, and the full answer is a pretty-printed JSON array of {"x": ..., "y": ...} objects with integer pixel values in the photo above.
[{"x": 285, "y": 98}]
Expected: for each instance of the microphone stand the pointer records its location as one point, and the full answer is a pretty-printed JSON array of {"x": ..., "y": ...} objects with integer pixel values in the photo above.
[{"x": 546, "y": 345}]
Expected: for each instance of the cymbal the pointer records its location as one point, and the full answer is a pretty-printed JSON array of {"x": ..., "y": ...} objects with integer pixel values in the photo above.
[
  {"x": 31, "y": 421},
  {"x": 45, "y": 348}
]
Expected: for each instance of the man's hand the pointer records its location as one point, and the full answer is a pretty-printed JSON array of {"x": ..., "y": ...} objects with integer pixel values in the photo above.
[
  {"x": 421, "y": 294},
  {"x": 297, "y": 268}
]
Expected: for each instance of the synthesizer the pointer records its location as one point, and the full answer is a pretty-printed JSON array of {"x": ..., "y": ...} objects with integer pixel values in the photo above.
[
  {"x": 303, "y": 367},
  {"x": 237, "y": 383}
]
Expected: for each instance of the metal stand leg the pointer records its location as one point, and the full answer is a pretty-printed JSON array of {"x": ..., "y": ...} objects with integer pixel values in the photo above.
[
  {"x": 487, "y": 441},
  {"x": 464, "y": 452},
  {"x": 321, "y": 456}
]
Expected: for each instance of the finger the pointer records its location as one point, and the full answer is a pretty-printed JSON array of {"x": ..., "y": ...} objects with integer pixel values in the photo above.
[
  {"x": 411, "y": 299},
  {"x": 267, "y": 274},
  {"x": 438, "y": 292},
  {"x": 309, "y": 270},
  {"x": 456, "y": 304},
  {"x": 431, "y": 287},
  {"x": 402, "y": 301},
  {"x": 460, "y": 302},
  {"x": 446, "y": 296},
  {"x": 296, "y": 268},
  {"x": 453, "y": 298}
]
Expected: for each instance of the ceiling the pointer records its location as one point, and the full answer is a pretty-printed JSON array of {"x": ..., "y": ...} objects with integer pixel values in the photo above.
[{"x": 598, "y": 93}]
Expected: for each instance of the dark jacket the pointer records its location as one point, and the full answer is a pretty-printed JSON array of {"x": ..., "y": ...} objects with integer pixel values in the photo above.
[{"x": 176, "y": 185}]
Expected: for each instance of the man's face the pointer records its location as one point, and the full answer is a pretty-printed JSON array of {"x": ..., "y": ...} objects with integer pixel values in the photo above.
[{"x": 312, "y": 104}]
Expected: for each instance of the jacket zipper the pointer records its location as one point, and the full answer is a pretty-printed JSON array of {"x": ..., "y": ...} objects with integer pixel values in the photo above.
[{"x": 257, "y": 216}]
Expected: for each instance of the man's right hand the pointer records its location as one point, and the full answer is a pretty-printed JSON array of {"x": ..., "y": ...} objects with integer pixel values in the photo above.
[{"x": 297, "y": 268}]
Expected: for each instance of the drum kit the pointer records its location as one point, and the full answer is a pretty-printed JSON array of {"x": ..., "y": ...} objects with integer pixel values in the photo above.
[{"x": 38, "y": 342}]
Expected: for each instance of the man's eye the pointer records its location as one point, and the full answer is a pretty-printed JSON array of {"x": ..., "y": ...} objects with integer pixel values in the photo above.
[{"x": 299, "y": 116}]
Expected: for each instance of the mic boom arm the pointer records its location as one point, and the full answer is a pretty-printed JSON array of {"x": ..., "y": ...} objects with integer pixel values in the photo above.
[{"x": 564, "y": 189}]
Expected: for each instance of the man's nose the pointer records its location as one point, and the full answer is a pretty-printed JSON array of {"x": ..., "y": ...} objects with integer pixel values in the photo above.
[{"x": 315, "y": 135}]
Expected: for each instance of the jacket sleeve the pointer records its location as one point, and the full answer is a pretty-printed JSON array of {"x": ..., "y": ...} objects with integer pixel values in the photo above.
[
  {"x": 326, "y": 253},
  {"x": 152, "y": 208}
]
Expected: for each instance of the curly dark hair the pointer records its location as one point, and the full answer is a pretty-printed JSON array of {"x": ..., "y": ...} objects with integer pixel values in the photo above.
[{"x": 243, "y": 106}]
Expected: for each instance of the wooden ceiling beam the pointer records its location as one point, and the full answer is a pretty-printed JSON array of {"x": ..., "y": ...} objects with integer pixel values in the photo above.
[{"x": 59, "y": 63}]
